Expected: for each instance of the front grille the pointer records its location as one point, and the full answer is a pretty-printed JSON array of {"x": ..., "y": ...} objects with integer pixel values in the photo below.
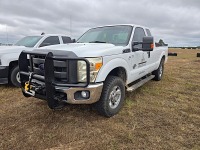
[
  {"x": 60, "y": 70},
  {"x": 61, "y": 73}
]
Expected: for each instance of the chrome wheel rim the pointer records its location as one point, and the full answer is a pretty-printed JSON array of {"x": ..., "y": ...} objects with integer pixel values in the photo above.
[
  {"x": 115, "y": 97},
  {"x": 18, "y": 77},
  {"x": 161, "y": 70}
]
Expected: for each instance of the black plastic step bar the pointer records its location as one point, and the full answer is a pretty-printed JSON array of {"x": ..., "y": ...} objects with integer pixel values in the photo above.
[{"x": 48, "y": 79}]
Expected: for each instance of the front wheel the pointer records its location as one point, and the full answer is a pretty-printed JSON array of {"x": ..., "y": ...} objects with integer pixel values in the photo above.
[
  {"x": 112, "y": 97},
  {"x": 14, "y": 77}
]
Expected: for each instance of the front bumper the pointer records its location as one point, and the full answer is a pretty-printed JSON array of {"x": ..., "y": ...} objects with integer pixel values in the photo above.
[
  {"x": 47, "y": 86},
  {"x": 94, "y": 94},
  {"x": 4, "y": 74}
]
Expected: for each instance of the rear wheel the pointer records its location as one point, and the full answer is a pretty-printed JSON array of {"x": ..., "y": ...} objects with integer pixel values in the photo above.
[
  {"x": 14, "y": 77},
  {"x": 159, "y": 72},
  {"x": 112, "y": 97}
]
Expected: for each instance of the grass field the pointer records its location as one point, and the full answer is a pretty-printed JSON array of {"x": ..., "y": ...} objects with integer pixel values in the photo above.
[{"x": 159, "y": 115}]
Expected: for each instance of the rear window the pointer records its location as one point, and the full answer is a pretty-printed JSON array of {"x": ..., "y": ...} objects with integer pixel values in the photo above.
[
  {"x": 52, "y": 40},
  {"x": 148, "y": 32},
  {"x": 66, "y": 39}
]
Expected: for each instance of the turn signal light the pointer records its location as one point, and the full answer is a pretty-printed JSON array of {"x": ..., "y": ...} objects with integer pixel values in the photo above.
[
  {"x": 152, "y": 46},
  {"x": 98, "y": 66}
]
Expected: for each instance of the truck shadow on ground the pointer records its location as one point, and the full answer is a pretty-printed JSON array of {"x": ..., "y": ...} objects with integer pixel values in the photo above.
[
  {"x": 86, "y": 112},
  {"x": 38, "y": 110}
]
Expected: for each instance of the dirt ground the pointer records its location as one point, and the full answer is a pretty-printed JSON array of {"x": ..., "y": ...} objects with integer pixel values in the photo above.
[{"x": 159, "y": 115}]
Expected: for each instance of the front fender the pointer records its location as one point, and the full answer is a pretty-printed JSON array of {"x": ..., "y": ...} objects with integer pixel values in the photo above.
[
  {"x": 109, "y": 66},
  {"x": 7, "y": 58}
]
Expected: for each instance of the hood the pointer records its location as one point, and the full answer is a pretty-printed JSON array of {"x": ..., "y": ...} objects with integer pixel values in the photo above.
[
  {"x": 88, "y": 49},
  {"x": 12, "y": 49}
]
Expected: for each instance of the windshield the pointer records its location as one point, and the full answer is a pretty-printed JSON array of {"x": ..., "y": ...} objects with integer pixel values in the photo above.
[
  {"x": 28, "y": 41},
  {"x": 117, "y": 35}
]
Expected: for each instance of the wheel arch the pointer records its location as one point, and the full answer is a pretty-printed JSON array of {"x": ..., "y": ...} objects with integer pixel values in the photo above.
[
  {"x": 117, "y": 67},
  {"x": 163, "y": 57},
  {"x": 12, "y": 64},
  {"x": 119, "y": 72}
]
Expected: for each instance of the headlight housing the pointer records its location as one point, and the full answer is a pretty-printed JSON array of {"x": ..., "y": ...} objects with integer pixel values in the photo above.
[{"x": 95, "y": 65}]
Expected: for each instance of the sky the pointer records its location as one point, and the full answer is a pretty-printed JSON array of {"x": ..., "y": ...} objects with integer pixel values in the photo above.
[{"x": 177, "y": 22}]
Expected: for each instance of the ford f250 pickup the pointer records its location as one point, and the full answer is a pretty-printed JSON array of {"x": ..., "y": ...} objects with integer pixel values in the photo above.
[{"x": 97, "y": 69}]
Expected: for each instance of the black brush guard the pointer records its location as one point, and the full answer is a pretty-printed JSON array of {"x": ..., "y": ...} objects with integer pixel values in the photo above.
[{"x": 27, "y": 74}]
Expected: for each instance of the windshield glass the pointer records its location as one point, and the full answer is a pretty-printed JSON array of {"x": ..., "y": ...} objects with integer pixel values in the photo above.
[
  {"x": 28, "y": 41},
  {"x": 117, "y": 35}
]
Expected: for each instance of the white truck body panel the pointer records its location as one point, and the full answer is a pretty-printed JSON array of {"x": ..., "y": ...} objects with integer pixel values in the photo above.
[
  {"x": 89, "y": 49},
  {"x": 114, "y": 57},
  {"x": 98, "y": 69},
  {"x": 9, "y": 55}
]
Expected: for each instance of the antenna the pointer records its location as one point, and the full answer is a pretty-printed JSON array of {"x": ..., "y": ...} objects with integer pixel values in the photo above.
[
  {"x": 70, "y": 26},
  {"x": 6, "y": 35}
]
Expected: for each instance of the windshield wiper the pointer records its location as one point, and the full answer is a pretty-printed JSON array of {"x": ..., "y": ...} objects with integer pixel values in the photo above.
[{"x": 97, "y": 42}]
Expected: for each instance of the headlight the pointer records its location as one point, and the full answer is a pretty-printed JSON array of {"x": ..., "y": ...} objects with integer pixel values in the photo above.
[{"x": 95, "y": 66}]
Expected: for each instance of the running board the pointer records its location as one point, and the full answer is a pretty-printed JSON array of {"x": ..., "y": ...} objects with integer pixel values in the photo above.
[{"x": 140, "y": 83}]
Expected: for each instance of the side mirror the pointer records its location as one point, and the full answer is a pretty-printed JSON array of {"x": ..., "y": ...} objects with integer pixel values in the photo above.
[{"x": 147, "y": 44}]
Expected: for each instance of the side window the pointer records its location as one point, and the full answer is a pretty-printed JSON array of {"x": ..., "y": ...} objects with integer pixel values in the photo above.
[
  {"x": 148, "y": 32},
  {"x": 66, "y": 39},
  {"x": 138, "y": 36},
  {"x": 52, "y": 40}
]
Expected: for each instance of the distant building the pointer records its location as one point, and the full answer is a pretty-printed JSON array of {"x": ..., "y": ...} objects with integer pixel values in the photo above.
[{"x": 2, "y": 44}]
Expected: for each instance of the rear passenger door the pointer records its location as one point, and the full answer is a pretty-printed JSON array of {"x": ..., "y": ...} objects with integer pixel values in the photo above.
[
  {"x": 151, "y": 56},
  {"x": 148, "y": 55},
  {"x": 51, "y": 40}
]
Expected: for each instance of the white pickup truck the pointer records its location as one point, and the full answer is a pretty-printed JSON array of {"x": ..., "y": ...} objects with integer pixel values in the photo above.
[
  {"x": 9, "y": 70},
  {"x": 97, "y": 69}
]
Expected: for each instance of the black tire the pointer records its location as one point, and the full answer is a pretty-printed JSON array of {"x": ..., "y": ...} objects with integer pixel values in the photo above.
[
  {"x": 172, "y": 54},
  {"x": 198, "y": 54},
  {"x": 111, "y": 91},
  {"x": 14, "y": 74},
  {"x": 159, "y": 72}
]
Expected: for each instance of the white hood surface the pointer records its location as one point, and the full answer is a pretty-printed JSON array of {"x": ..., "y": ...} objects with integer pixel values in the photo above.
[
  {"x": 88, "y": 49},
  {"x": 12, "y": 49}
]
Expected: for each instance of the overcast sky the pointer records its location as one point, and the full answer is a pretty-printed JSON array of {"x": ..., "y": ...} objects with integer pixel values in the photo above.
[{"x": 177, "y": 22}]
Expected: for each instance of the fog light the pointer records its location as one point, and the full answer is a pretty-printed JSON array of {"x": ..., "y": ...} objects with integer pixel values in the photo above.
[
  {"x": 85, "y": 94},
  {"x": 82, "y": 95}
]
